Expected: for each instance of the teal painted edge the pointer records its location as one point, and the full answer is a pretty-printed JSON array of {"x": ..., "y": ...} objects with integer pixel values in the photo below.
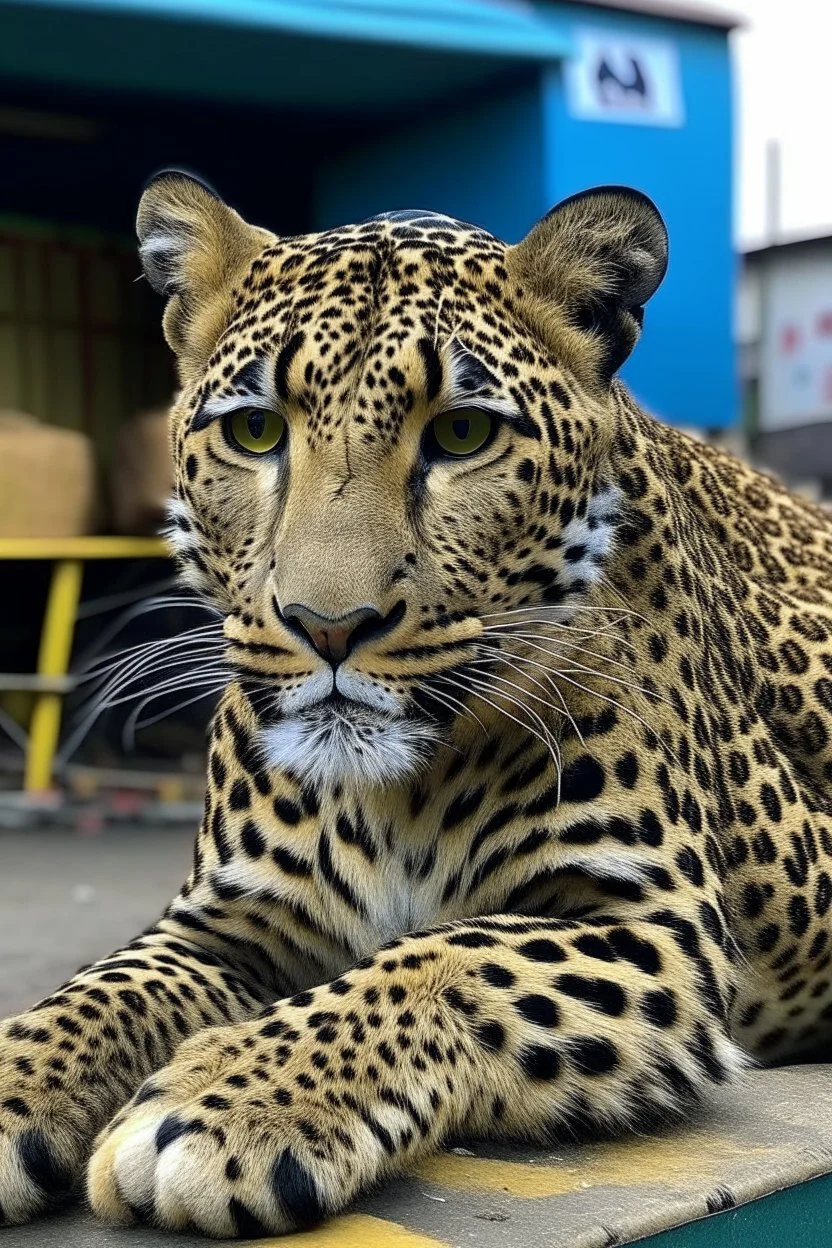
[
  {"x": 482, "y": 30},
  {"x": 795, "y": 1217}
]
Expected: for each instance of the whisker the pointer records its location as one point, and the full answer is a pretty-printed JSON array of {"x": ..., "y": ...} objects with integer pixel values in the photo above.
[
  {"x": 613, "y": 589},
  {"x": 155, "y": 643},
  {"x": 172, "y": 651},
  {"x": 171, "y": 683},
  {"x": 534, "y": 640},
  {"x": 564, "y": 710},
  {"x": 558, "y": 626},
  {"x": 616, "y": 680},
  {"x": 547, "y": 739},
  {"x": 592, "y": 693},
  {"x": 518, "y": 702},
  {"x": 134, "y": 725},
  {"x": 558, "y": 631},
  {"x": 137, "y": 676},
  {"x": 583, "y": 608},
  {"x": 110, "y": 602},
  {"x": 82, "y": 730},
  {"x": 496, "y": 656},
  {"x": 451, "y": 703},
  {"x": 143, "y": 608},
  {"x": 184, "y": 649},
  {"x": 189, "y": 678},
  {"x": 544, "y": 735},
  {"x": 583, "y": 667}
]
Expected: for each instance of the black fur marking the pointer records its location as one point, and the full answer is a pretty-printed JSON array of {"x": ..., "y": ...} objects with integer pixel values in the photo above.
[
  {"x": 296, "y": 1191},
  {"x": 593, "y": 1056},
  {"x": 42, "y": 1166},
  {"x": 719, "y": 1200},
  {"x": 146, "y": 1093},
  {"x": 541, "y": 1062},
  {"x": 433, "y": 367},
  {"x": 284, "y": 363},
  {"x": 172, "y": 1127},
  {"x": 582, "y": 781},
  {"x": 246, "y": 1224}
]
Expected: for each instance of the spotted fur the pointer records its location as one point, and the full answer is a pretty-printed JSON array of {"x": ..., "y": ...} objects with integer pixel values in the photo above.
[{"x": 549, "y": 849}]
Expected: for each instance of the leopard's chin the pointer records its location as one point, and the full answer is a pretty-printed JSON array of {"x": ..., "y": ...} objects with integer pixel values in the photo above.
[{"x": 339, "y": 742}]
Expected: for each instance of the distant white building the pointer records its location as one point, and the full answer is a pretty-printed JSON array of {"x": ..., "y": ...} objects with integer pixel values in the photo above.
[{"x": 784, "y": 331}]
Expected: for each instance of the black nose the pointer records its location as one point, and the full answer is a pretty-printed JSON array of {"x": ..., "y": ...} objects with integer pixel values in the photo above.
[{"x": 333, "y": 637}]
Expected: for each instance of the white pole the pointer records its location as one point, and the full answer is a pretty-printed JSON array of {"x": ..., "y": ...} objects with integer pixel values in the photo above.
[{"x": 774, "y": 187}]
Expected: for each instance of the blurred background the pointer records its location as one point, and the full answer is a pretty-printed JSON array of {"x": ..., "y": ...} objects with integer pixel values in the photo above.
[{"x": 305, "y": 114}]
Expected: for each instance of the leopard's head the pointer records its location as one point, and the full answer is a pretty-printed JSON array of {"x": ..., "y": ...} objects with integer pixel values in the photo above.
[{"x": 390, "y": 438}]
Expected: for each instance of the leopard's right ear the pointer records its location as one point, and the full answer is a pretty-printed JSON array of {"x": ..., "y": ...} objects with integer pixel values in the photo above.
[{"x": 194, "y": 250}]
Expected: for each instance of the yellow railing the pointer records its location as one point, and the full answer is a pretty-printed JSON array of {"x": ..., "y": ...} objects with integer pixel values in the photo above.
[{"x": 68, "y": 556}]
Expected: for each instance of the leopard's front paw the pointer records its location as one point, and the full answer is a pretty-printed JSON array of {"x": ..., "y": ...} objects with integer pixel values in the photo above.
[
  {"x": 46, "y": 1124},
  {"x": 241, "y": 1135}
]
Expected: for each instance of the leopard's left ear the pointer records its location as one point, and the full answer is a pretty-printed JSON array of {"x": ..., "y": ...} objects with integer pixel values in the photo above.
[
  {"x": 195, "y": 250},
  {"x": 588, "y": 268}
]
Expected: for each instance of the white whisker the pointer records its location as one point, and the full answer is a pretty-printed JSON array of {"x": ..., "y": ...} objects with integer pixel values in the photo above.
[
  {"x": 172, "y": 683},
  {"x": 156, "y": 643},
  {"x": 616, "y": 680},
  {"x": 546, "y": 739},
  {"x": 584, "y": 608},
  {"x": 521, "y": 705},
  {"x": 134, "y": 725},
  {"x": 137, "y": 673},
  {"x": 593, "y": 693},
  {"x": 451, "y": 703},
  {"x": 495, "y": 657},
  {"x": 523, "y": 658},
  {"x": 143, "y": 608},
  {"x": 534, "y": 640},
  {"x": 582, "y": 667},
  {"x": 154, "y": 652}
]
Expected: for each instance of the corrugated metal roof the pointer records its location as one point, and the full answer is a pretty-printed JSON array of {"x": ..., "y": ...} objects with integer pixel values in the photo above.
[{"x": 508, "y": 29}]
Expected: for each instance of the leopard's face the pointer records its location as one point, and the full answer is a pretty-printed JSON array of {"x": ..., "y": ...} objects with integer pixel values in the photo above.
[{"x": 382, "y": 457}]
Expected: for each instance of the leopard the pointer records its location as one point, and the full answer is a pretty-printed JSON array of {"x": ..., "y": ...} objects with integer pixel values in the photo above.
[{"x": 518, "y": 817}]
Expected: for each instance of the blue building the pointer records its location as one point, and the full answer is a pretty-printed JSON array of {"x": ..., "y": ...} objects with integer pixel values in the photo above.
[{"x": 307, "y": 113}]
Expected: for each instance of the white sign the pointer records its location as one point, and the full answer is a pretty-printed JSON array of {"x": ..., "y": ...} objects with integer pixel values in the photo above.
[
  {"x": 797, "y": 342},
  {"x": 612, "y": 77}
]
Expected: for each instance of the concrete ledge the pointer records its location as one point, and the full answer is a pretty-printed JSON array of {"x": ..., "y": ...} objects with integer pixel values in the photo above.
[{"x": 65, "y": 900}]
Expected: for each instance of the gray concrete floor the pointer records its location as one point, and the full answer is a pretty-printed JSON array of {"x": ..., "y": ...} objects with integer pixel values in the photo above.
[{"x": 66, "y": 900}]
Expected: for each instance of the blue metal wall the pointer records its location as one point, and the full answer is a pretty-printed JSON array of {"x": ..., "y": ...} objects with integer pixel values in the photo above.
[
  {"x": 683, "y": 369},
  {"x": 504, "y": 162},
  {"x": 481, "y": 162}
]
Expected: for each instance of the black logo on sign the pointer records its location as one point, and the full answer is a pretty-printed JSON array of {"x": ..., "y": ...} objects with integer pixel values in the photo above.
[{"x": 616, "y": 88}]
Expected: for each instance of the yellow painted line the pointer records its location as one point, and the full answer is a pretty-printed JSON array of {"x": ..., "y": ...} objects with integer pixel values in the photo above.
[
  {"x": 83, "y": 548},
  {"x": 680, "y": 1163},
  {"x": 354, "y": 1230}
]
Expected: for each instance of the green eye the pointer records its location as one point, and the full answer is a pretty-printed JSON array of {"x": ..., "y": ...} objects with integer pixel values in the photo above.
[
  {"x": 462, "y": 431},
  {"x": 255, "y": 430}
]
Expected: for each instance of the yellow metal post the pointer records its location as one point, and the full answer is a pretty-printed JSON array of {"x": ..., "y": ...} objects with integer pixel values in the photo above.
[{"x": 53, "y": 660}]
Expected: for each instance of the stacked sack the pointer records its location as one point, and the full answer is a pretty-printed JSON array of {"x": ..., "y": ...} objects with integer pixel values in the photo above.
[{"x": 47, "y": 479}]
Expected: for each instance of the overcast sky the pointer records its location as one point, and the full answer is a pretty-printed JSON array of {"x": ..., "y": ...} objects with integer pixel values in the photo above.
[{"x": 783, "y": 66}]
